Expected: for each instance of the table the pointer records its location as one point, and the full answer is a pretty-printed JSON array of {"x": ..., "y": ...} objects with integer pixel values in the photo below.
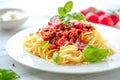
[{"x": 36, "y": 19}]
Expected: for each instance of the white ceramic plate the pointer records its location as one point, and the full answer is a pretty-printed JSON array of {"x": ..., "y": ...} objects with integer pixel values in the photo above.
[{"x": 15, "y": 49}]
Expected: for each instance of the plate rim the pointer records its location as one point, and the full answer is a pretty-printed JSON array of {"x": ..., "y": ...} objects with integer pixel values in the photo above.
[{"x": 104, "y": 70}]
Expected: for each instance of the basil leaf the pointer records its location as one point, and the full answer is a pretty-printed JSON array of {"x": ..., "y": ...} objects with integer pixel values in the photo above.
[
  {"x": 8, "y": 74},
  {"x": 31, "y": 34},
  {"x": 0, "y": 75},
  {"x": 66, "y": 18},
  {"x": 44, "y": 44},
  {"x": 56, "y": 57},
  {"x": 78, "y": 16},
  {"x": 94, "y": 54},
  {"x": 61, "y": 11},
  {"x": 68, "y": 6}
]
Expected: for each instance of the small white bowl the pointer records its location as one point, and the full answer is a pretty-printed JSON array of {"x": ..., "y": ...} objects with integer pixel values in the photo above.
[{"x": 9, "y": 20}]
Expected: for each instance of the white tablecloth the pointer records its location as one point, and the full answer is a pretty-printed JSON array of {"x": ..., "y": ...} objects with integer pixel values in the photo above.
[{"x": 38, "y": 11}]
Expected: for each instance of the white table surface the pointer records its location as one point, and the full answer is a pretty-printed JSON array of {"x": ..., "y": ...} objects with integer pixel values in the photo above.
[{"x": 39, "y": 14}]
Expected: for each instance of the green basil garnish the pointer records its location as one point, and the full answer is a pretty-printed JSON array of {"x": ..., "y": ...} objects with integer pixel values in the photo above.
[
  {"x": 7, "y": 74},
  {"x": 64, "y": 10},
  {"x": 68, "y": 6},
  {"x": 64, "y": 16},
  {"x": 61, "y": 11},
  {"x": 56, "y": 57},
  {"x": 31, "y": 34},
  {"x": 78, "y": 16},
  {"x": 94, "y": 54},
  {"x": 44, "y": 44}
]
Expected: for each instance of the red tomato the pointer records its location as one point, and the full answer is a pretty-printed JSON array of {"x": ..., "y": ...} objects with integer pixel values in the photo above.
[
  {"x": 115, "y": 18},
  {"x": 92, "y": 17},
  {"x": 104, "y": 19},
  {"x": 84, "y": 12},
  {"x": 91, "y": 9},
  {"x": 99, "y": 13}
]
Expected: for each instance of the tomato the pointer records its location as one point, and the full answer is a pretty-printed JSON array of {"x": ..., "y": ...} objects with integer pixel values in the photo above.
[
  {"x": 92, "y": 17},
  {"x": 84, "y": 12},
  {"x": 99, "y": 13},
  {"x": 104, "y": 19},
  {"x": 91, "y": 9},
  {"x": 115, "y": 18}
]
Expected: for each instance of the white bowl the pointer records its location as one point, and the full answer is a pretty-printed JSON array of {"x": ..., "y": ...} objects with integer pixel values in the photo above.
[{"x": 18, "y": 18}]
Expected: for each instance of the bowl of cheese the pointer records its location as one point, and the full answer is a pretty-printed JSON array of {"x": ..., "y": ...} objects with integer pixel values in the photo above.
[{"x": 12, "y": 18}]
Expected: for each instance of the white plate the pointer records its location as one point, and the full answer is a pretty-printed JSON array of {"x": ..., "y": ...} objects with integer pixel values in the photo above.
[{"x": 15, "y": 49}]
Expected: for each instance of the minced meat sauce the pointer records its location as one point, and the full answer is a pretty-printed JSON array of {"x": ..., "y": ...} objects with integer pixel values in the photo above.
[{"x": 65, "y": 34}]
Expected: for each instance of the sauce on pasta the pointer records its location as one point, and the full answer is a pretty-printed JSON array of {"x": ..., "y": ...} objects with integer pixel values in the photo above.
[
  {"x": 66, "y": 42},
  {"x": 68, "y": 39}
]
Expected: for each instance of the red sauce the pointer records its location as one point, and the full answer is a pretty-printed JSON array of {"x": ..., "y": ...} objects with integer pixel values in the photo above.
[{"x": 60, "y": 34}]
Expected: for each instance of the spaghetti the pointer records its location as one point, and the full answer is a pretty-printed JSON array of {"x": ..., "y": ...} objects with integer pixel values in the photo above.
[{"x": 66, "y": 43}]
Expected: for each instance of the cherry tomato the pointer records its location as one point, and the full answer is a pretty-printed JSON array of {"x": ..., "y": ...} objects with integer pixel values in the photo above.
[
  {"x": 91, "y": 9},
  {"x": 99, "y": 16},
  {"x": 92, "y": 17},
  {"x": 104, "y": 19},
  {"x": 115, "y": 18},
  {"x": 84, "y": 12},
  {"x": 99, "y": 13}
]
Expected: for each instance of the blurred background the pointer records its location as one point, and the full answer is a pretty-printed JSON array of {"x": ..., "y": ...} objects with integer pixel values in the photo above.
[
  {"x": 39, "y": 12},
  {"x": 42, "y": 10}
]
